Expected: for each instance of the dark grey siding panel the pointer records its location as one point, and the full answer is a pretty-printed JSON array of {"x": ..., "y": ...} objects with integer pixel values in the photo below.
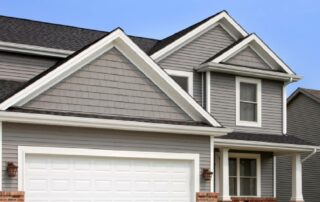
[
  {"x": 69, "y": 137},
  {"x": 284, "y": 179},
  {"x": 197, "y": 87},
  {"x": 223, "y": 104},
  {"x": 248, "y": 58},
  {"x": 110, "y": 85},
  {"x": 303, "y": 122},
  {"x": 22, "y": 67},
  {"x": 267, "y": 175}
]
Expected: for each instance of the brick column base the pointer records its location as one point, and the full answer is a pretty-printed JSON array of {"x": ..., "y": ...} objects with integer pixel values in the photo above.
[
  {"x": 252, "y": 199},
  {"x": 206, "y": 197},
  {"x": 11, "y": 196}
]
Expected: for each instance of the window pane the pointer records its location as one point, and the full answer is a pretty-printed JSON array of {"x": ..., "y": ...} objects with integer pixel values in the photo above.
[
  {"x": 248, "y": 111},
  {"x": 248, "y": 186},
  {"x": 248, "y": 92},
  {"x": 182, "y": 81},
  {"x": 233, "y": 186},
  {"x": 248, "y": 167},
  {"x": 232, "y": 167}
]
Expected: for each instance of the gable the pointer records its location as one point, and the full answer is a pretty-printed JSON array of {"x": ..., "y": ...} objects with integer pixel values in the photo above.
[
  {"x": 109, "y": 85},
  {"x": 248, "y": 58}
]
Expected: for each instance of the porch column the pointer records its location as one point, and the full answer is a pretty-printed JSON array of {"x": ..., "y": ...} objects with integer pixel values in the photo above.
[
  {"x": 224, "y": 175},
  {"x": 296, "y": 179}
]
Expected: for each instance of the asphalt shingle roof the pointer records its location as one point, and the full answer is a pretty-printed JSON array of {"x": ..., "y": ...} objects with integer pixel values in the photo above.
[{"x": 311, "y": 93}]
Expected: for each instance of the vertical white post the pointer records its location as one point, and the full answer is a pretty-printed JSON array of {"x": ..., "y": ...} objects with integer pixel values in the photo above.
[
  {"x": 284, "y": 109},
  {"x": 212, "y": 163},
  {"x": 0, "y": 156},
  {"x": 224, "y": 175},
  {"x": 208, "y": 91},
  {"x": 274, "y": 176},
  {"x": 296, "y": 178}
]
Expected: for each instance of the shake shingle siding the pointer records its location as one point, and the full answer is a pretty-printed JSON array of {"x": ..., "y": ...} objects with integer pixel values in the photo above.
[{"x": 110, "y": 85}]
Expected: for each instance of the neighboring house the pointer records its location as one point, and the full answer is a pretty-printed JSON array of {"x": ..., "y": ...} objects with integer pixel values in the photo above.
[
  {"x": 93, "y": 116},
  {"x": 304, "y": 122}
]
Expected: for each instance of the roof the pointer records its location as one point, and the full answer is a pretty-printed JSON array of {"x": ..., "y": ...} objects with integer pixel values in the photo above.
[
  {"x": 24, "y": 31},
  {"x": 311, "y": 93},
  {"x": 283, "y": 139}
]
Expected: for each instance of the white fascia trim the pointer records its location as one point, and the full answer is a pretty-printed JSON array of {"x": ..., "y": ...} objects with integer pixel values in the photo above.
[
  {"x": 189, "y": 75},
  {"x": 246, "y": 71},
  {"x": 263, "y": 146},
  {"x": 30, "y": 118},
  {"x": 34, "y": 50},
  {"x": 124, "y": 44},
  {"x": 257, "y": 82},
  {"x": 252, "y": 38},
  {"x": 160, "y": 54},
  {"x": 23, "y": 150}
]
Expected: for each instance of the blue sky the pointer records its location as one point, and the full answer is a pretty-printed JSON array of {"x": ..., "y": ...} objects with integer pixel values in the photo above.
[{"x": 290, "y": 27}]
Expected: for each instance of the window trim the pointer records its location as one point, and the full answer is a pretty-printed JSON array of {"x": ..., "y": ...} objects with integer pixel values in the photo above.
[
  {"x": 259, "y": 102},
  {"x": 188, "y": 75},
  {"x": 257, "y": 157}
]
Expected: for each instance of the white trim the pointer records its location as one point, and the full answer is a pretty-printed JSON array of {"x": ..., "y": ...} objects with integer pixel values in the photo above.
[
  {"x": 217, "y": 172},
  {"x": 23, "y": 150},
  {"x": 274, "y": 177},
  {"x": 212, "y": 163},
  {"x": 224, "y": 194},
  {"x": 247, "y": 71},
  {"x": 221, "y": 18},
  {"x": 296, "y": 192},
  {"x": 208, "y": 91},
  {"x": 31, "y": 118},
  {"x": 188, "y": 75},
  {"x": 262, "y": 146},
  {"x": 259, "y": 102},
  {"x": 139, "y": 58},
  {"x": 34, "y": 50},
  {"x": 239, "y": 156},
  {"x": 284, "y": 109},
  {"x": 1, "y": 156}
]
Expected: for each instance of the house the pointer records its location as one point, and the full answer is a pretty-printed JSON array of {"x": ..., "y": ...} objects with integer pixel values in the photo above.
[
  {"x": 89, "y": 115},
  {"x": 304, "y": 122}
]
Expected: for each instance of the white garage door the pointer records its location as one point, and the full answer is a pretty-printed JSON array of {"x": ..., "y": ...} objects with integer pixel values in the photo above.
[{"x": 59, "y": 178}]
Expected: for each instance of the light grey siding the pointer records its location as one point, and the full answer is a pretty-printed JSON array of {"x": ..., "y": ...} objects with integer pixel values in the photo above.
[
  {"x": 196, "y": 52},
  {"x": 22, "y": 67},
  {"x": 248, "y": 58},
  {"x": 110, "y": 85},
  {"x": 69, "y": 137},
  {"x": 223, "y": 104},
  {"x": 303, "y": 122}
]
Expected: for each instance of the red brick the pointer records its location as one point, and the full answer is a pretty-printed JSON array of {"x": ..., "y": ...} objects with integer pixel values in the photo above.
[
  {"x": 11, "y": 196},
  {"x": 207, "y": 197}
]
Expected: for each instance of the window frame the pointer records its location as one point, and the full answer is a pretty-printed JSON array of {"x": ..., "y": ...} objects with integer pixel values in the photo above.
[
  {"x": 188, "y": 75},
  {"x": 257, "y": 157},
  {"x": 257, "y": 82}
]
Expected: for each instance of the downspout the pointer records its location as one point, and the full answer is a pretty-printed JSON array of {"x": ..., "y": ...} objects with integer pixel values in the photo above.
[
  {"x": 310, "y": 155},
  {"x": 284, "y": 106}
]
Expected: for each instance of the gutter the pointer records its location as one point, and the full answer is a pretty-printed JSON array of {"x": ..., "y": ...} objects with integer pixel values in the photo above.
[{"x": 310, "y": 155}]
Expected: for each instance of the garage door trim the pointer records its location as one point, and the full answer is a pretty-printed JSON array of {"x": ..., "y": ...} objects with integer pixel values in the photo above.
[{"x": 23, "y": 150}]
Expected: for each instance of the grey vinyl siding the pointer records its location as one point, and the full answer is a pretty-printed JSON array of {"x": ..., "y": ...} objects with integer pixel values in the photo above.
[
  {"x": 303, "y": 122},
  {"x": 20, "y": 67},
  {"x": 71, "y": 137},
  {"x": 191, "y": 55},
  {"x": 223, "y": 104},
  {"x": 248, "y": 58},
  {"x": 197, "y": 87},
  {"x": 110, "y": 85}
]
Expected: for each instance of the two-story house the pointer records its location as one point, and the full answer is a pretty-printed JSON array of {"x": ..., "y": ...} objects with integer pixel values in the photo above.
[{"x": 90, "y": 115}]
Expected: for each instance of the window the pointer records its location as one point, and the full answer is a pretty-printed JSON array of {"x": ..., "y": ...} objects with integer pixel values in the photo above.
[
  {"x": 248, "y": 98},
  {"x": 244, "y": 175},
  {"x": 184, "y": 79}
]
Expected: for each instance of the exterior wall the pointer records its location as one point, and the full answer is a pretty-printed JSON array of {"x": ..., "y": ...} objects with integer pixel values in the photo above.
[
  {"x": 110, "y": 85},
  {"x": 248, "y": 58},
  {"x": 57, "y": 136},
  {"x": 303, "y": 122},
  {"x": 20, "y": 67},
  {"x": 223, "y": 104},
  {"x": 196, "y": 52}
]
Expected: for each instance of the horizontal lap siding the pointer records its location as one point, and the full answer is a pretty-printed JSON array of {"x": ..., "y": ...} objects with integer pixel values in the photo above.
[
  {"x": 223, "y": 104},
  {"x": 267, "y": 175},
  {"x": 196, "y": 52},
  {"x": 110, "y": 85},
  {"x": 69, "y": 137},
  {"x": 22, "y": 67}
]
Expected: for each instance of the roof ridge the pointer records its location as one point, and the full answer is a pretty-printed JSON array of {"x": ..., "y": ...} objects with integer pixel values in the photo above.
[{"x": 306, "y": 92}]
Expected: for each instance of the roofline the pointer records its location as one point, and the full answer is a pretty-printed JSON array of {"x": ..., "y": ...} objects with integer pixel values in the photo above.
[
  {"x": 303, "y": 91},
  {"x": 263, "y": 146},
  {"x": 71, "y": 121}
]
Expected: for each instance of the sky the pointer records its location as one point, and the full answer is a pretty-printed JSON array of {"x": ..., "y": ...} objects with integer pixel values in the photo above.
[{"x": 290, "y": 27}]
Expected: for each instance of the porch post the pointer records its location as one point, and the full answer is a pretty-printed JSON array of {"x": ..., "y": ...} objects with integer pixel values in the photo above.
[
  {"x": 296, "y": 179},
  {"x": 224, "y": 175}
]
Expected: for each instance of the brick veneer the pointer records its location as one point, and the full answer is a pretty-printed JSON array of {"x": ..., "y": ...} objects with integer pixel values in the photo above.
[
  {"x": 207, "y": 197},
  {"x": 244, "y": 199},
  {"x": 11, "y": 196}
]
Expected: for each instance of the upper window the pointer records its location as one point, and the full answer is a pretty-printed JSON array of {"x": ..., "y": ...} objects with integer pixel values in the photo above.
[
  {"x": 184, "y": 79},
  {"x": 248, "y": 106}
]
